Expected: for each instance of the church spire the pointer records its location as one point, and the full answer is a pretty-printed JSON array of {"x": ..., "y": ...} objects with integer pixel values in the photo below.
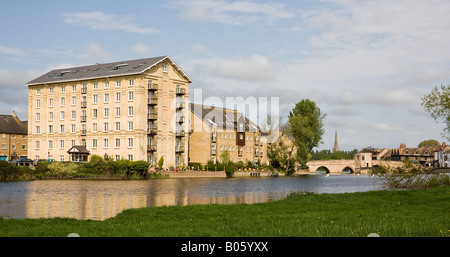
[{"x": 336, "y": 146}]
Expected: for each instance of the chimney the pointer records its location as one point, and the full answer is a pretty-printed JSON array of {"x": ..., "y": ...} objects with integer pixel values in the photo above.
[
  {"x": 402, "y": 146},
  {"x": 14, "y": 114}
]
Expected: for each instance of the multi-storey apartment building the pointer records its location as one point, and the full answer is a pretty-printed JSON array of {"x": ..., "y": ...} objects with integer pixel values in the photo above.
[
  {"x": 132, "y": 110},
  {"x": 13, "y": 138},
  {"x": 214, "y": 130}
]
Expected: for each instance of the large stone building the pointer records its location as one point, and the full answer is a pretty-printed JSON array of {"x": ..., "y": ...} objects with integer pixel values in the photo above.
[
  {"x": 132, "y": 110},
  {"x": 214, "y": 130},
  {"x": 13, "y": 138}
]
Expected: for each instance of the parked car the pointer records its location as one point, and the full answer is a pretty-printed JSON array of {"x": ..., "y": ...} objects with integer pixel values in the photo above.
[
  {"x": 23, "y": 162},
  {"x": 35, "y": 161}
]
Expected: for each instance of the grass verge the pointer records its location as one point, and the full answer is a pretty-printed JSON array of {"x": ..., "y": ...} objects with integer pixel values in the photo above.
[{"x": 407, "y": 213}]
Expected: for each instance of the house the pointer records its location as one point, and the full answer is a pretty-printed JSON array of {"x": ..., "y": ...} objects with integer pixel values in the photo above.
[
  {"x": 133, "y": 110},
  {"x": 439, "y": 155},
  {"x": 215, "y": 130},
  {"x": 422, "y": 155},
  {"x": 13, "y": 138}
]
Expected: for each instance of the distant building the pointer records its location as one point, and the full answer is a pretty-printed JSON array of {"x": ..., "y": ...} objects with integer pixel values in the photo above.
[
  {"x": 13, "y": 138},
  {"x": 134, "y": 110},
  {"x": 215, "y": 130},
  {"x": 439, "y": 155},
  {"x": 336, "y": 145},
  {"x": 422, "y": 155}
]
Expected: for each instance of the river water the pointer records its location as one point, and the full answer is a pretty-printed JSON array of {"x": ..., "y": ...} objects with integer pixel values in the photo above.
[{"x": 99, "y": 200}]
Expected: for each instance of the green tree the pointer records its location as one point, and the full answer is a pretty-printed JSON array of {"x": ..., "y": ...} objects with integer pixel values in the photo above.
[
  {"x": 429, "y": 143},
  {"x": 161, "y": 162},
  {"x": 305, "y": 128},
  {"x": 225, "y": 157},
  {"x": 437, "y": 103}
]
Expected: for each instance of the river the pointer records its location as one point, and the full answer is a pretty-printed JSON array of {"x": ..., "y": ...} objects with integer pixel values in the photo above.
[{"x": 102, "y": 199}]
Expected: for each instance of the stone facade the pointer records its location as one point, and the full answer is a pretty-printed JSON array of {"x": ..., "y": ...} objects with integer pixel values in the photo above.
[
  {"x": 133, "y": 115},
  {"x": 13, "y": 138}
]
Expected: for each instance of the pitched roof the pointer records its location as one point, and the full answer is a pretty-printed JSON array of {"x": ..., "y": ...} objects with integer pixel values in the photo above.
[
  {"x": 113, "y": 69},
  {"x": 222, "y": 118},
  {"x": 78, "y": 149},
  {"x": 11, "y": 125}
]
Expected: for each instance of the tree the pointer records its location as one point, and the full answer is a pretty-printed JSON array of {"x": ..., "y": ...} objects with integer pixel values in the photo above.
[
  {"x": 429, "y": 143},
  {"x": 225, "y": 157},
  {"x": 437, "y": 103},
  {"x": 305, "y": 128},
  {"x": 161, "y": 162}
]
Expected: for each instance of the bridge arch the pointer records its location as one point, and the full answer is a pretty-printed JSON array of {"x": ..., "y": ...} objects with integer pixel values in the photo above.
[
  {"x": 322, "y": 169},
  {"x": 348, "y": 170}
]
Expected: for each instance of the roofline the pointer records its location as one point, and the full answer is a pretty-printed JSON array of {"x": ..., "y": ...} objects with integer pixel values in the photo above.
[{"x": 118, "y": 75}]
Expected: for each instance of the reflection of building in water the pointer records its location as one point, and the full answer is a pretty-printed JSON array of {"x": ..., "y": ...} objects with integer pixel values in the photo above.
[{"x": 101, "y": 200}]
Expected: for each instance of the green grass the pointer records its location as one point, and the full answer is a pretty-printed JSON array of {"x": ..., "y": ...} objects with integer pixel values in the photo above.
[{"x": 408, "y": 213}]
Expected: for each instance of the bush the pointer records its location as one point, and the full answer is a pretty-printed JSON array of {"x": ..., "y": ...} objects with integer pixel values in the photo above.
[
  {"x": 141, "y": 168},
  {"x": 195, "y": 165},
  {"x": 229, "y": 170},
  {"x": 61, "y": 169}
]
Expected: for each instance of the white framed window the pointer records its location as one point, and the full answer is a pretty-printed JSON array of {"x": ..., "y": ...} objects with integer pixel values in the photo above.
[
  {"x": 95, "y": 86},
  {"x": 38, "y": 116},
  {"x": 117, "y": 142},
  {"x": 130, "y": 96},
  {"x": 107, "y": 84},
  {"x": 164, "y": 67},
  {"x": 131, "y": 83},
  {"x": 3, "y": 146},
  {"x": 106, "y": 98},
  {"x": 74, "y": 100},
  {"x": 63, "y": 89},
  {"x": 50, "y": 144},
  {"x": 130, "y": 126},
  {"x": 50, "y": 102},
  {"x": 61, "y": 144},
  {"x": 94, "y": 143},
  {"x": 130, "y": 142},
  {"x": 50, "y": 129},
  {"x": 61, "y": 128},
  {"x": 63, "y": 101},
  {"x": 105, "y": 143},
  {"x": 74, "y": 88},
  {"x": 50, "y": 116},
  {"x": 95, "y": 98},
  {"x": 117, "y": 126},
  {"x": 38, "y": 129},
  {"x": 118, "y": 97},
  {"x": 130, "y": 157},
  {"x": 73, "y": 128},
  {"x": 72, "y": 142},
  {"x": 37, "y": 144},
  {"x": 62, "y": 115},
  {"x": 106, "y": 112},
  {"x": 117, "y": 157},
  {"x": 94, "y": 113},
  {"x": 94, "y": 127},
  {"x": 105, "y": 127},
  {"x": 38, "y": 91},
  {"x": 50, "y": 90},
  {"x": 74, "y": 115},
  {"x": 118, "y": 83},
  {"x": 130, "y": 110},
  {"x": 38, "y": 103},
  {"x": 117, "y": 111},
  {"x": 61, "y": 158}
]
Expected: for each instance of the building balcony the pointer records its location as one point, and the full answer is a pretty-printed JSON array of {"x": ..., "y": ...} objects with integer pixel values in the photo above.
[
  {"x": 180, "y": 119},
  {"x": 213, "y": 139},
  {"x": 179, "y": 149},
  {"x": 180, "y": 133},
  {"x": 213, "y": 151},
  {"x": 153, "y": 101},
  {"x": 152, "y": 131},
  {"x": 256, "y": 154},
  {"x": 181, "y": 91},
  {"x": 83, "y": 90},
  {"x": 151, "y": 148},
  {"x": 240, "y": 153},
  {"x": 180, "y": 106},
  {"x": 152, "y": 87},
  {"x": 83, "y": 132},
  {"x": 153, "y": 116},
  {"x": 83, "y": 104},
  {"x": 83, "y": 118}
]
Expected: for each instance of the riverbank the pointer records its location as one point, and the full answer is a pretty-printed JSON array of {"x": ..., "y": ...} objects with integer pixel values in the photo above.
[{"x": 406, "y": 213}]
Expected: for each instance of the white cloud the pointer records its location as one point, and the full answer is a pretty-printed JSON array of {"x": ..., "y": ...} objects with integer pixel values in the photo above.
[
  {"x": 249, "y": 68},
  {"x": 232, "y": 13},
  {"x": 96, "y": 53},
  {"x": 11, "y": 51},
  {"x": 106, "y": 22},
  {"x": 140, "y": 48},
  {"x": 385, "y": 127}
]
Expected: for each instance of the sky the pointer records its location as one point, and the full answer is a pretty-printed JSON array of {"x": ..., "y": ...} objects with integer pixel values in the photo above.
[{"x": 366, "y": 64}]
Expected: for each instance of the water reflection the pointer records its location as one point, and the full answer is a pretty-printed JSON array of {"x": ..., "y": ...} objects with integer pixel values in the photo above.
[{"x": 99, "y": 200}]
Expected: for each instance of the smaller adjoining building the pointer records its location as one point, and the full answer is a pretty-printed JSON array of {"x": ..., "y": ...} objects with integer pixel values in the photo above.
[
  {"x": 215, "y": 130},
  {"x": 422, "y": 155},
  {"x": 439, "y": 155},
  {"x": 13, "y": 138}
]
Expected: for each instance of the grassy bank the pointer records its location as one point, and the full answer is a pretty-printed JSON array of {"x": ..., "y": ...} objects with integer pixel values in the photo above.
[{"x": 408, "y": 213}]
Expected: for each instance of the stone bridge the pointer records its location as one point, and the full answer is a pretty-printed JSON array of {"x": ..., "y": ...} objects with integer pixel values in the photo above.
[{"x": 348, "y": 166}]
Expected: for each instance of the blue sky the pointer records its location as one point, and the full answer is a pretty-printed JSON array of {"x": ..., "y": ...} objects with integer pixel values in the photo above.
[{"x": 366, "y": 64}]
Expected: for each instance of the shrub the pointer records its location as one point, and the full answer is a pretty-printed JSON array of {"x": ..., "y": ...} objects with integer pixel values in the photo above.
[
  {"x": 195, "y": 165},
  {"x": 229, "y": 170},
  {"x": 61, "y": 169},
  {"x": 141, "y": 168},
  {"x": 161, "y": 162}
]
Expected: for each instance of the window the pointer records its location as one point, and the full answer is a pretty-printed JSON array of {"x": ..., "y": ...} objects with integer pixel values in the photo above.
[
  {"x": 38, "y": 116},
  {"x": 95, "y": 86},
  {"x": 130, "y": 126},
  {"x": 106, "y": 84},
  {"x": 94, "y": 127},
  {"x": 3, "y": 146},
  {"x": 38, "y": 91},
  {"x": 50, "y": 129},
  {"x": 63, "y": 89},
  {"x": 130, "y": 111},
  {"x": 106, "y": 112},
  {"x": 24, "y": 147},
  {"x": 63, "y": 101},
  {"x": 13, "y": 146},
  {"x": 131, "y": 82},
  {"x": 95, "y": 98},
  {"x": 38, "y": 129},
  {"x": 50, "y": 91},
  {"x": 38, "y": 103},
  {"x": 165, "y": 67},
  {"x": 117, "y": 126},
  {"x": 118, "y": 83},
  {"x": 50, "y": 102},
  {"x": 106, "y": 98},
  {"x": 74, "y": 115},
  {"x": 105, "y": 143},
  {"x": 61, "y": 128},
  {"x": 94, "y": 114},
  {"x": 130, "y": 143},
  {"x": 72, "y": 142},
  {"x": 105, "y": 127},
  {"x": 117, "y": 111},
  {"x": 94, "y": 143},
  {"x": 117, "y": 157},
  {"x": 130, "y": 96},
  {"x": 117, "y": 142},
  {"x": 118, "y": 97},
  {"x": 74, "y": 100},
  {"x": 50, "y": 116},
  {"x": 73, "y": 128},
  {"x": 61, "y": 144},
  {"x": 74, "y": 88},
  {"x": 83, "y": 142},
  {"x": 61, "y": 158},
  {"x": 50, "y": 144},
  {"x": 62, "y": 115},
  {"x": 130, "y": 157},
  {"x": 38, "y": 144}
]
